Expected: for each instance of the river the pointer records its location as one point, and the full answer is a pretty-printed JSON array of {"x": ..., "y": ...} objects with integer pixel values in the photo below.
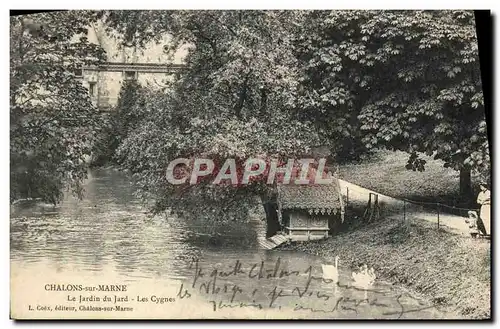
[{"x": 107, "y": 238}]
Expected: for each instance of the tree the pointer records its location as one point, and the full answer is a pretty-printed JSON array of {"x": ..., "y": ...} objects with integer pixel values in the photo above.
[
  {"x": 235, "y": 100},
  {"x": 276, "y": 83},
  {"x": 123, "y": 119},
  {"x": 51, "y": 115},
  {"x": 404, "y": 80}
]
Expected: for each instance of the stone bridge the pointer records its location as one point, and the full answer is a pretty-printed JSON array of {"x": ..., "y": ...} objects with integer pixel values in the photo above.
[{"x": 105, "y": 80}]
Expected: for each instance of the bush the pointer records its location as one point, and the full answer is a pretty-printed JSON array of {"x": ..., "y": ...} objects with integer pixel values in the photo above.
[{"x": 124, "y": 118}]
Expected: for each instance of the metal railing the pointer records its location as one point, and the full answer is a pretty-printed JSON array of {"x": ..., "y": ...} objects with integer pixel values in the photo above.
[{"x": 438, "y": 212}]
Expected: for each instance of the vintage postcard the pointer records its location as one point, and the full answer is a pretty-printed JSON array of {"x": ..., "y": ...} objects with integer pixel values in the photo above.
[{"x": 249, "y": 164}]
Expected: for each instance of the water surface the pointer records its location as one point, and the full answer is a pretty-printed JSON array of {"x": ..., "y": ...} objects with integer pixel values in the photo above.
[{"x": 107, "y": 238}]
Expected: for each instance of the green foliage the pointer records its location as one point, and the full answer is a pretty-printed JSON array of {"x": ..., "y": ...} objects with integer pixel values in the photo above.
[
  {"x": 235, "y": 100},
  {"x": 404, "y": 80},
  {"x": 169, "y": 133},
  {"x": 276, "y": 83},
  {"x": 122, "y": 120},
  {"x": 51, "y": 115}
]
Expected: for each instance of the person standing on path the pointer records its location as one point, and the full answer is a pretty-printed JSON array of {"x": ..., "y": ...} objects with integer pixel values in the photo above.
[{"x": 483, "y": 199}]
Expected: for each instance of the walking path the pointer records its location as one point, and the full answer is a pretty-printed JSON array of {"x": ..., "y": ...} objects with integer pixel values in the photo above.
[
  {"x": 391, "y": 208},
  {"x": 359, "y": 195}
]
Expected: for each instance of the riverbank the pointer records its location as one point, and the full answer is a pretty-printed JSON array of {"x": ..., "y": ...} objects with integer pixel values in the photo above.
[{"x": 452, "y": 271}]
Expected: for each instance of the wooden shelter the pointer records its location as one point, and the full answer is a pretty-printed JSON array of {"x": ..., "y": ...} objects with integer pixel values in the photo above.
[{"x": 309, "y": 212}]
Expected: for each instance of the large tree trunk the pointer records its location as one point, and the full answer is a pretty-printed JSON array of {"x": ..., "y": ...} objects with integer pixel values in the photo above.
[
  {"x": 466, "y": 187},
  {"x": 263, "y": 102},
  {"x": 273, "y": 224}
]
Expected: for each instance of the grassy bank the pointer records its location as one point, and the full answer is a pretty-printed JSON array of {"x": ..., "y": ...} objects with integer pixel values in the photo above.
[
  {"x": 448, "y": 269},
  {"x": 385, "y": 173}
]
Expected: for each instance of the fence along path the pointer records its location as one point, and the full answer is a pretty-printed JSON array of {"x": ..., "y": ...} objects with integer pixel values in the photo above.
[{"x": 398, "y": 209}]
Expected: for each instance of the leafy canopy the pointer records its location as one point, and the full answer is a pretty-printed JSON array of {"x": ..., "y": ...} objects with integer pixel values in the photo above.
[
  {"x": 277, "y": 83},
  {"x": 404, "y": 80},
  {"x": 235, "y": 100},
  {"x": 51, "y": 115}
]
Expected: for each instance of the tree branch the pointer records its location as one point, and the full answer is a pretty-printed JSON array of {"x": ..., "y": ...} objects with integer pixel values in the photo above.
[
  {"x": 198, "y": 33},
  {"x": 242, "y": 98}
]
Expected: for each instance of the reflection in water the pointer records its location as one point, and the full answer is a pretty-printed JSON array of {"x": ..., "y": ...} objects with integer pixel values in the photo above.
[{"x": 109, "y": 228}]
